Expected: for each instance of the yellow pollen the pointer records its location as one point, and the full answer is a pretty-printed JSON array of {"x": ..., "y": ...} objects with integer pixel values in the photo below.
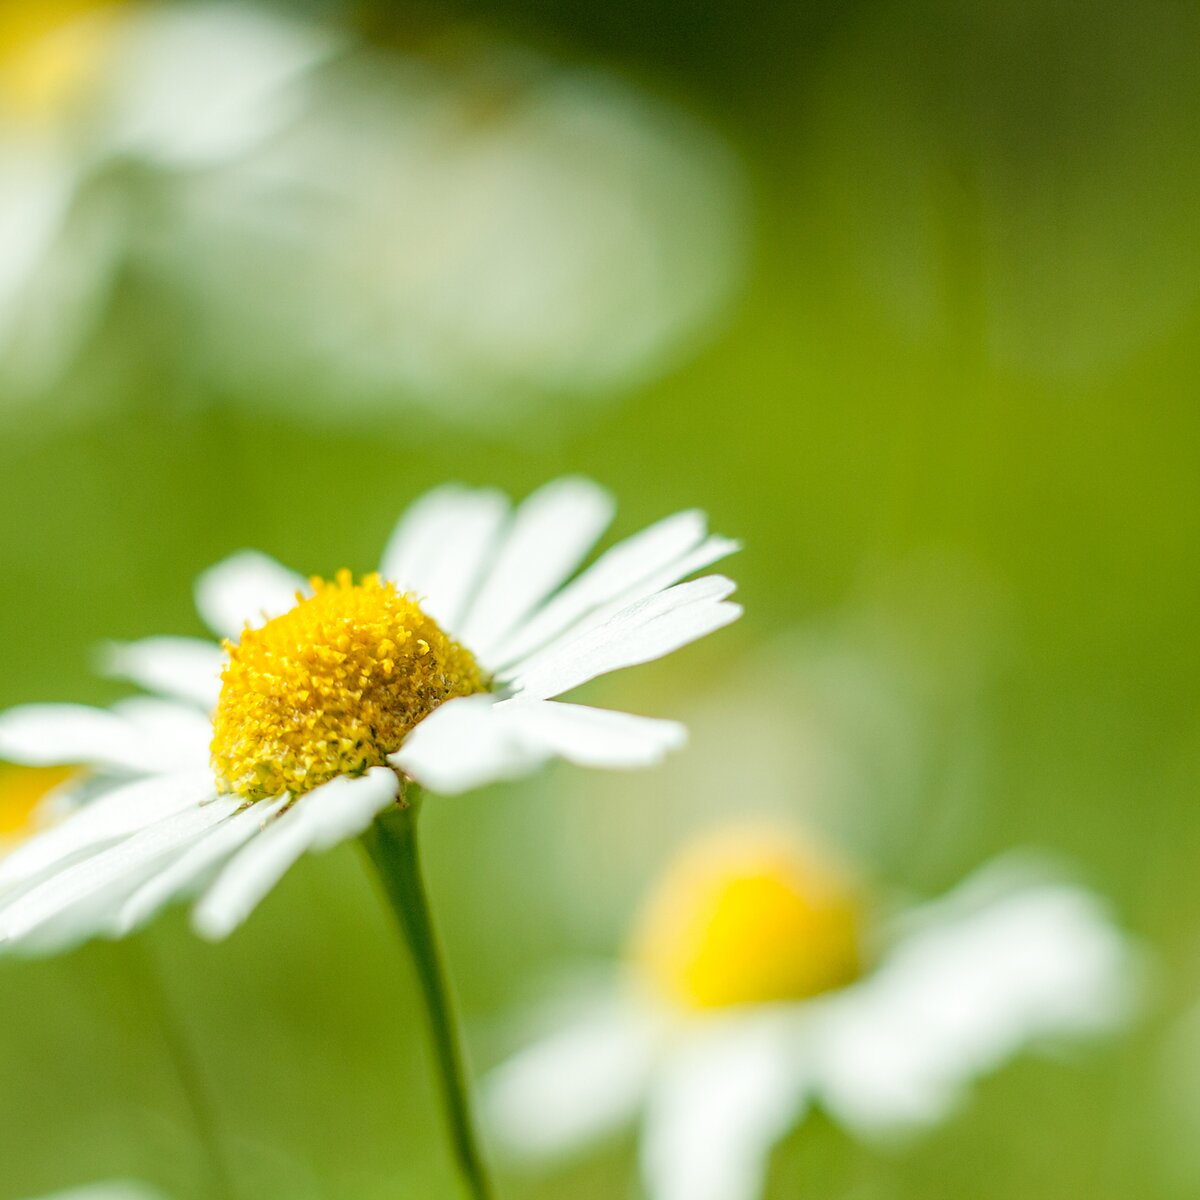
[
  {"x": 49, "y": 51},
  {"x": 749, "y": 917},
  {"x": 22, "y": 789},
  {"x": 332, "y": 687}
]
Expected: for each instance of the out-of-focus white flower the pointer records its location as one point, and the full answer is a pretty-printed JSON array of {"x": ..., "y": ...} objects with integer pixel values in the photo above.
[
  {"x": 477, "y": 224},
  {"x": 89, "y": 87},
  {"x": 29, "y": 799},
  {"x": 328, "y": 697},
  {"x": 475, "y": 228},
  {"x": 755, "y": 990}
]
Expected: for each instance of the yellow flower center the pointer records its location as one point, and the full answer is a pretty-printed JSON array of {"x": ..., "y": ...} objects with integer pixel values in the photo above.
[
  {"x": 332, "y": 687},
  {"x": 21, "y": 791},
  {"x": 749, "y": 918},
  {"x": 49, "y": 50}
]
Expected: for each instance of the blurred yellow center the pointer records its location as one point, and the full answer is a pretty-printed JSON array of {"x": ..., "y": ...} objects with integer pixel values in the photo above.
[
  {"x": 49, "y": 49},
  {"x": 747, "y": 918},
  {"x": 21, "y": 790},
  {"x": 332, "y": 687}
]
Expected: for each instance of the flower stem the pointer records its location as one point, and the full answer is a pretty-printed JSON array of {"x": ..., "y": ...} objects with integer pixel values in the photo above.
[{"x": 391, "y": 842}]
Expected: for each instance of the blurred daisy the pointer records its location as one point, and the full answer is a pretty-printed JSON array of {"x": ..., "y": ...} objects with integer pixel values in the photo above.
[
  {"x": 474, "y": 223},
  {"x": 756, "y": 987},
  {"x": 28, "y": 798},
  {"x": 97, "y": 98},
  {"x": 328, "y": 697}
]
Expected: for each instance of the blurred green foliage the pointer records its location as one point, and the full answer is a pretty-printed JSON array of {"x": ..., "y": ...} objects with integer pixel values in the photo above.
[{"x": 969, "y": 338}]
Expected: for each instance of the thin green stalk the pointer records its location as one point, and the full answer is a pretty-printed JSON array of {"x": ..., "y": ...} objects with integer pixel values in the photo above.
[
  {"x": 191, "y": 1081},
  {"x": 392, "y": 844}
]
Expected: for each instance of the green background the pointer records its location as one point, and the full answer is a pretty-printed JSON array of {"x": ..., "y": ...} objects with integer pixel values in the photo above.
[{"x": 952, "y": 413}]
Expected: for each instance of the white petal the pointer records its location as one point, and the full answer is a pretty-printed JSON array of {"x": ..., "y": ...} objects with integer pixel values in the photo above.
[
  {"x": 645, "y": 630},
  {"x": 462, "y": 746},
  {"x": 182, "y": 668},
  {"x": 550, "y": 535},
  {"x": 112, "y": 816},
  {"x": 709, "y": 551},
  {"x": 180, "y": 734},
  {"x": 185, "y": 873},
  {"x": 44, "y": 735},
  {"x": 964, "y": 993},
  {"x": 441, "y": 547},
  {"x": 202, "y": 84},
  {"x": 575, "y": 1085},
  {"x": 730, "y": 1093},
  {"x": 592, "y": 737},
  {"x": 319, "y": 819},
  {"x": 619, "y": 571},
  {"x": 476, "y": 740},
  {"x": 83, "y": 898},
  {"x": 248, "y": 588}
]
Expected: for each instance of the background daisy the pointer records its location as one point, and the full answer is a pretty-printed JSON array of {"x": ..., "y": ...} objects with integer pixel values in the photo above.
[
  {"x": 431, "y": 225},
  {"x": 757, "y": 988}
]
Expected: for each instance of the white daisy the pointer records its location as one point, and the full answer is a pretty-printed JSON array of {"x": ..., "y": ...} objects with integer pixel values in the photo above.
[
  {"x": 751, "y": 994},
  {"x": 30, "y": 798},
  {"x": 329, "y": 697},
  {"x": 90, "y": 87},
  {"x": 474, "y": 226}
]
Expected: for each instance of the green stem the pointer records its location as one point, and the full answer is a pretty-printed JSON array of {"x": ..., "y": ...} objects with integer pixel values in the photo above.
[
  {"x": 391, "y": 842},
  {"x": 191, "y": 1082}
]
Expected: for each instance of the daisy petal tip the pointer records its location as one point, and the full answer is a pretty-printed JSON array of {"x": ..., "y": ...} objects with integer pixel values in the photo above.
[
  {"x": 215, "y": 922},
  {"x": 583, "y": 486},
  {"x": 212, "y": 926},
  {"x": 721, "y": 585},
  {"x": 245, "y": 588},
  {"x": 676, "y": 737}
]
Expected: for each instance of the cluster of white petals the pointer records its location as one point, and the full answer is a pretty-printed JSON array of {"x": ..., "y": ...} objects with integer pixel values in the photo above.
[
  {"x": 1012, "y": 959},
  {"x": 149, "y": 823}
]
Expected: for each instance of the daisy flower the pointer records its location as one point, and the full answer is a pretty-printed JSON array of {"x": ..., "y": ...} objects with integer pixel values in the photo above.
[
  {"x": 755, "y": 987},
  {"x": 89, "y": 88},
  {"x": 475, "y": 226},
  {"x": 437, "y": 226},
  {"x": 328, "y": 698},
  {"x": 330, "y": 705},
  {"x": 28, "y": 797}
]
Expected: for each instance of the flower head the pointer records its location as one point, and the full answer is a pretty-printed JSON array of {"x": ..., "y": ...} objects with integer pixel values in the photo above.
[
  {"x": 48, "y": 52},
  {"x": 332, "y": 687},
  {"x": 328, "y": 698},
  {"x": 748, "y": 917},
  {"x": 24, "y": 792},
  {"x": 763, "y": 1003}
]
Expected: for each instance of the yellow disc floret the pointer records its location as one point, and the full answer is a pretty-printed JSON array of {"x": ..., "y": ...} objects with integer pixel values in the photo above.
[
  {"x": 22, "y": 789},
  {"x": 332, "y": 687},
  {"x": 50, "y": 52},
  {"x": 749, "y": 917}
]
